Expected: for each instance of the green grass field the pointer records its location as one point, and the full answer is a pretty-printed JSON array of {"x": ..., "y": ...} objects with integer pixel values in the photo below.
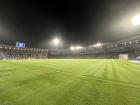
[{"x": 69, "y": 82}]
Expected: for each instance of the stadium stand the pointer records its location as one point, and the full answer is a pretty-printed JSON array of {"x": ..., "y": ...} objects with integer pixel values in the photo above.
[
  {"x": 11, "y": 52},
  {"x": 130, "y": 46}
]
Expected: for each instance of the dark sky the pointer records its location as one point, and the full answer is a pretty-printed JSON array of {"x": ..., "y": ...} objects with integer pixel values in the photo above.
[{"x": 76, "y": 22}]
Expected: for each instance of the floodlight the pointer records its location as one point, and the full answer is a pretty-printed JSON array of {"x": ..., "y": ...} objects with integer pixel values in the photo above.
[
  {"x": 78, "y": 47},
  {"x": 75, "y": 47},
  {"x": 56, "y": 41},
  {"x": 136, "y": 20},
  {"x": 98, "y": 45},
  {"x": 72, "y": 48}
]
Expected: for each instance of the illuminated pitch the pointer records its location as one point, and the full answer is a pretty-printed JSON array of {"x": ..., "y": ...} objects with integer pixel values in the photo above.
[{"x": 69, "y": 82}]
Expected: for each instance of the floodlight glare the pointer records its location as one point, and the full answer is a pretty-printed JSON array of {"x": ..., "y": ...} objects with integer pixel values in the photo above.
[
  {"x": 78, "y": 47},
  {"x": 56, "y": 41},
  {"x": 75, "y": 47},
  {"x": 72, "y": 48},
  {"x": 98, "y": 45},
  {"x": 136, "y": 20}
]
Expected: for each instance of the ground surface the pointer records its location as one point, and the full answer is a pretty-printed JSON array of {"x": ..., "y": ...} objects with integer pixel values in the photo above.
[{"x": 69, "y": 82}]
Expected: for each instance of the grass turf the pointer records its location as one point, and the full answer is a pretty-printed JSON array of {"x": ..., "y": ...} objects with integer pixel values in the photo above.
[{"x": 69, "y": 82}]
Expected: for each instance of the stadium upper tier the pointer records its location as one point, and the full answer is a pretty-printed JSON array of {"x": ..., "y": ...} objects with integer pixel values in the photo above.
[
  {"x": 109, "y": 50},
  {"x": 12, "y": 52}
]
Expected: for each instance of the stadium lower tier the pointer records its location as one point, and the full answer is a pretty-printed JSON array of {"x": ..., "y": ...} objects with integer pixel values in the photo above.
[
  {"x": 96, "y": 56},
  {"x": 8, "y": 52},
  {"x": 18, "y": 53}
]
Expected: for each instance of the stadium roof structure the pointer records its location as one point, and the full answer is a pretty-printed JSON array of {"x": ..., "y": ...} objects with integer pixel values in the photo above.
[
  {"x": 130, "y": 46},
  {"x": 134, "y": 39}
]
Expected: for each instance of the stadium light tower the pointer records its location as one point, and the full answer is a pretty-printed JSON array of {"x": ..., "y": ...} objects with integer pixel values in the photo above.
[{"x": 136, "y": 20}]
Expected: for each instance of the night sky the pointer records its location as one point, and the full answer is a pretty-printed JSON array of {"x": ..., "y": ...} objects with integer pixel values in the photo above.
[{"x": 76, "y": 22}]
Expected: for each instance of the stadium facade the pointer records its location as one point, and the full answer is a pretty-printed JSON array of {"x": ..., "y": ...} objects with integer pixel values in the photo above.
[{"x": 129, "y": 46}]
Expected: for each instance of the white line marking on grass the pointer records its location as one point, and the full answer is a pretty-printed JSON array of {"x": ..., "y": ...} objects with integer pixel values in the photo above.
[
  {"x": 105, "y": 80},
  {"x": 84, "y": 76},
  {"x": 135, "y": 61}
]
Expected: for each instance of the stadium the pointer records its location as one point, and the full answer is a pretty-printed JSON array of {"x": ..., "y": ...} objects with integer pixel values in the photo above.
[
  {"x": 130, "y": 46},
  {"x": 71, "y": 67},
  {"x": 79, "y": 76}
]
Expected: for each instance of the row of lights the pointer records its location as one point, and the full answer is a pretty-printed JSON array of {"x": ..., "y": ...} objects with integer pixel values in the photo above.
[
  {"x": 130, "y": 42},
  {"x": 125, "y": 43},
  {"x": 99, "y": 45},
  {"x": 26, "y": 49}
]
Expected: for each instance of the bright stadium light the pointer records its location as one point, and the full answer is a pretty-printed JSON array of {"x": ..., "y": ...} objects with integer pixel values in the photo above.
[
  {"x": 78, "y": 47},
  {"x": 75, "y": 47},
  {"x": 98, "y": 45},
  {"x": 136, "y": 20},
  {"x": 72, "y": 47},
  {"x": 56, "y": 41}
]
